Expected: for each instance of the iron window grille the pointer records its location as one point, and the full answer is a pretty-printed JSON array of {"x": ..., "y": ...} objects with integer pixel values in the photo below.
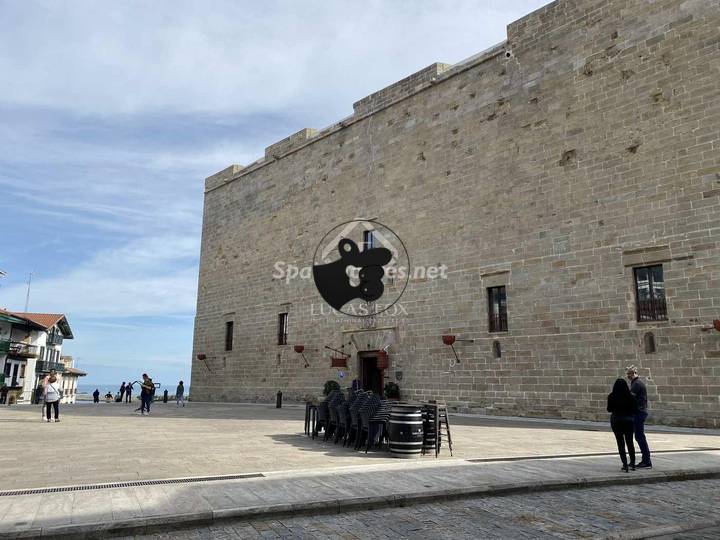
[
  {"x": 282, "y": 328},
  {"x": 229, "y": 331},
  {"x": 650, "y": 293},
  {"x": 368, "y": 240},
  {"x": 497, "y": 309}
]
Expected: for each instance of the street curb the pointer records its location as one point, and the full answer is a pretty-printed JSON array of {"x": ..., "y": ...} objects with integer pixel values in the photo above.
[
  {"x": 152, "y": 524},
  {"x": 664, "y": 530}
]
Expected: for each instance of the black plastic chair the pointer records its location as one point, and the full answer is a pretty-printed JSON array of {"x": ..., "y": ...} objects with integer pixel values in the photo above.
[
  {"x": 333, "y": 403},
  {"x": 366, "y": 413},
  {"x": 355, "y": 424},
  {"x": 379, "y": 421}
]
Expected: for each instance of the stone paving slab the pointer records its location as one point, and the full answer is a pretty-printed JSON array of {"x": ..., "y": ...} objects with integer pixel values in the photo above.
[
  {"x": 667, "y": 510},
  {"x": 141, "y": 509},
  {"x": 216, "y": 439}
]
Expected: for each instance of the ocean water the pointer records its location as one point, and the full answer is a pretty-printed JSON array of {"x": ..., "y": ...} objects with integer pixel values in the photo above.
[{"x": 113, "y": 388}]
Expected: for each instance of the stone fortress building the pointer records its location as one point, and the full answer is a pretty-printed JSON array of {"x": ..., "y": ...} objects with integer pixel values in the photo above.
[{"x": 568, "y": 179}]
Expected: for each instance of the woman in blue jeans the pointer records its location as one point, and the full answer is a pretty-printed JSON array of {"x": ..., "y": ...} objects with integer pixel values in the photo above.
[{"x": 623, "y": 408}]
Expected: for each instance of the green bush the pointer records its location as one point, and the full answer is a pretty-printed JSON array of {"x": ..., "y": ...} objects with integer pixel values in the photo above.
[
  {"x": 392, "y": 390},
  {"x": 330, "y": 386}
]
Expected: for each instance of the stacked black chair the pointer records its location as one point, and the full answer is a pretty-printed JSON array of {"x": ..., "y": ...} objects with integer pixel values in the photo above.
[
  {"x": 323, "y": 414},
  {"x": 333, "y": 403},
  {"x": 366, "y": 413},
  {"x": 343, "y": 412},
  {"x": 354, "y": 426},
  {"x": 379, "y": 423}
]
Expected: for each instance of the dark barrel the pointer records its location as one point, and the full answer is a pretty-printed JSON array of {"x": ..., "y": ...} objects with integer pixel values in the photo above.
[{"x": 405, "y": 431}]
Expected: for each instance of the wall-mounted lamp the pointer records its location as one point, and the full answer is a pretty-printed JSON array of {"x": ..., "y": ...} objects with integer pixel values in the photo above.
[
  {"x": 449, "y": 339},
  {"x": 300, "y": 350}
]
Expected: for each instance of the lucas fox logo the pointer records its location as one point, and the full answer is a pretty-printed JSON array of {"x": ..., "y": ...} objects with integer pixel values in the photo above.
[
  {"x": 333, "y": 281},
  {"x": 350, "y": 278}
]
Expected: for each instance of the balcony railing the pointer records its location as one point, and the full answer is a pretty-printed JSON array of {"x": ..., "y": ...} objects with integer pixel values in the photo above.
[
  {"x": 22, "y": 350},
  {"x": 54, "y": 339},
  {"x": 652, "y": 310},
  {"x": 43, "y": 366},
  {"x": 498, "y": 323}
]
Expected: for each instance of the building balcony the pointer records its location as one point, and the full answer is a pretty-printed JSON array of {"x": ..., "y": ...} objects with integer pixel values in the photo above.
[
  {"x": 22, "y": 350},
  {"x": 4, "y": 346},
  {"x": 54, "y": 339},
  {"x": 43, "y": 366}
]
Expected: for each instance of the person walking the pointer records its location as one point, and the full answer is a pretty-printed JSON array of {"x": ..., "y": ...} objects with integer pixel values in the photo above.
[
  {"x": 639, "y": 391},
  {"x": 122, "y": 391},
  {"x": 51, "y": 393},
  {"x": 147, "y": 389},
  {"x": 128, "y": 392},
  {"x": 623, "y": 408},
  {"x": 96, "y": 396},
  {"x": 180, "y": 394}
]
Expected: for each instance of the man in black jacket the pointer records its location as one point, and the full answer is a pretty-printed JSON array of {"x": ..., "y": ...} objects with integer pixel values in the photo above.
[{"x": 638, "y": 389}]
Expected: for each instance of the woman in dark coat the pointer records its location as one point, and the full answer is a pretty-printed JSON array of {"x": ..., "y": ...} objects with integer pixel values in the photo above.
[{"x": 623, "y": 407}]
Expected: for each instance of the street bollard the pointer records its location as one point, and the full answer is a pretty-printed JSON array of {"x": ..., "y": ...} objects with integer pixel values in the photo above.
[
  {"x": 278, "y": 401},
  {"x": 165, "y": 396}
]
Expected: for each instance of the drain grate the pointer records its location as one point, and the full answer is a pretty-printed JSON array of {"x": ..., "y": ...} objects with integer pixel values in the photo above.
[{"x": 134, "y": 483}]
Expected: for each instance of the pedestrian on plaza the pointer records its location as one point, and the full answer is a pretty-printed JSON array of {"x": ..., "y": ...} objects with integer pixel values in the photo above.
[
  {"x": 96, "y": 396},
  {"x": 639, "y": 391},
  {"x": 623, "y": 407},
  {"x": 122, "y": 391},
  {"x": 180, "y": 394},
  {"x": 128, "y": 392},
  {"x": 51, "y": 393},
  {"x": 53, "y": 373},
  {"x": 147, "y": 390}
]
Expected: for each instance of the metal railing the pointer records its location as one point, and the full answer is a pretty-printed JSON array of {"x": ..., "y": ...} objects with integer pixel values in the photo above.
[
  {"x": 43, "y": 366},
  {"x": 54, "y": 339},
  {"x": 498, "y": 323},
  {"x": 23, "y": 350},
  {"x": 652, "y": 310}
]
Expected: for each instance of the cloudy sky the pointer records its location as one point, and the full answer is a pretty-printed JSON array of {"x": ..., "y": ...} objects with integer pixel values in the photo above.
[{"x": 112, "y": 113}]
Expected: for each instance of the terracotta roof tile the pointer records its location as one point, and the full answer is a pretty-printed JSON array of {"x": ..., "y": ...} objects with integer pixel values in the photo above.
[{"x": 45, "y": 320}]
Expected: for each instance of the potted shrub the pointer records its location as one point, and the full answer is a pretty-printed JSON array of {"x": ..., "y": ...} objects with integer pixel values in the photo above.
[
  {"x": 392, "y": 391},
  {"x": 330, "y": 386}
]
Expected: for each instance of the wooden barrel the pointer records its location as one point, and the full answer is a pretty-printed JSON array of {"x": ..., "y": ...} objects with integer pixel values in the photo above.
[{"x": 405, "y": 431}]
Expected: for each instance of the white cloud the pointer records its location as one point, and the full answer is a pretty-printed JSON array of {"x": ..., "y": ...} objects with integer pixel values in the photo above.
[
  {"x": 103, "y": 58},
  {"x": 151, "y": 276}
]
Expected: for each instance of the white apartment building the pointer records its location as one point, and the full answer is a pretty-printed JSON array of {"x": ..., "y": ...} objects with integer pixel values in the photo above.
[{"x": 31, "y": 346}]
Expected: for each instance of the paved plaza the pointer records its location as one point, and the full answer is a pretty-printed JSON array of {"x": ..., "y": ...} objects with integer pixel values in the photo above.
[
  {"x": 280, "y": 472},
  {"x": 109, "y": 443}
]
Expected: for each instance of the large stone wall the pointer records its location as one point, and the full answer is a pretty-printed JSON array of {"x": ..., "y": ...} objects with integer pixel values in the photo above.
[{"x": 553, "y": 163}]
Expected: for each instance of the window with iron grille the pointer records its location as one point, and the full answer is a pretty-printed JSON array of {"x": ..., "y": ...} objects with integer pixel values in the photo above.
[
  {"x": 282, "y": 328},
  {"x": 229, "y": 330},
  {"x": 497, "y": 309},
  {"x": 368, "y": 240},
  {"x": 650, "y": 293}
]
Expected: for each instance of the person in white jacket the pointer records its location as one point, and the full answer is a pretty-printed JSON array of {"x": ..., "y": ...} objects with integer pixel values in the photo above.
[{"x": 52, "y": 396}]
